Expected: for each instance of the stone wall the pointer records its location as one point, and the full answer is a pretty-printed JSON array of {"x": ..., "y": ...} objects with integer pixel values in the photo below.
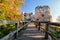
[{"x": 43, "y": 13}]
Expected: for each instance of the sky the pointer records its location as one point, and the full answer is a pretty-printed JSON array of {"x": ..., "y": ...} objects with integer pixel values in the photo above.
[{"x": 53, "y": 4}]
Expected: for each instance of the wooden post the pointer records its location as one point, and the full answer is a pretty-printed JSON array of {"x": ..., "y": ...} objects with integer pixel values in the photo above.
[
  {"x": 35, "y": 24},
  {"x": 39, "y": 26},
  {"x": 24, "y": 24},
  {"x": 46, "y": 30},
  {"x": 16, "y": 27}
]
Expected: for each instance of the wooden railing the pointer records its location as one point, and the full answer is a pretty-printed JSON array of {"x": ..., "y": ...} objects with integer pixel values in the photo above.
[
  {"x": 13, "y": 34},
  {"x": 47, "y": 31}
]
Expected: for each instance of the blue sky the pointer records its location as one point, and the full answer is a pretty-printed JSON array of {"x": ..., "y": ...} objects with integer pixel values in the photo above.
[{"x": 53, "y": 4}]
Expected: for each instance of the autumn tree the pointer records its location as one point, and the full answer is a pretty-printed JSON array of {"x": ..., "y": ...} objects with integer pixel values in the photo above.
[{"x": 9, "y": 9}]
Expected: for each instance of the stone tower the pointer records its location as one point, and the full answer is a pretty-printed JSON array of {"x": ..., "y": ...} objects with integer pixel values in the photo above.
[{"x": 43, "y": 13}]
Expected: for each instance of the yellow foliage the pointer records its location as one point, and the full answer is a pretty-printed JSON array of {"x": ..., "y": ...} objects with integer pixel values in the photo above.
[{"x": 10, "y": 8}]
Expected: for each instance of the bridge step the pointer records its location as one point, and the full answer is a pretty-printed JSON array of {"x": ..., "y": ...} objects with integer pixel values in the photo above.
[{"x": 31, "y": 33}]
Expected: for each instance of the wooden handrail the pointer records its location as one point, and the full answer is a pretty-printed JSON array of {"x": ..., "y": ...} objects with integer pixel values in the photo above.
[
  {"x": 51, "y": 35},
  {"x": 12, "y": 33},
  {"x": 47, "y": 29},
  {"x": 55, "y": 23}
]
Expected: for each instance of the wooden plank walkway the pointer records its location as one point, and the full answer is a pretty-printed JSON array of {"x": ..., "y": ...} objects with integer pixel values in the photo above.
[{"x": 31, "y": 33}]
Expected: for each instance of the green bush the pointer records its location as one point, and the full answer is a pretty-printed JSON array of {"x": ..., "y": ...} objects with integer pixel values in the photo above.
[
  {"x": 55, "y": 34},
  {"x": 5, "y": 29}
]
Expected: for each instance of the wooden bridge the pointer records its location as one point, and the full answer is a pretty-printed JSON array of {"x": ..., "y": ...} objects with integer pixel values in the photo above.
[{"x": 30, "y": 32}]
